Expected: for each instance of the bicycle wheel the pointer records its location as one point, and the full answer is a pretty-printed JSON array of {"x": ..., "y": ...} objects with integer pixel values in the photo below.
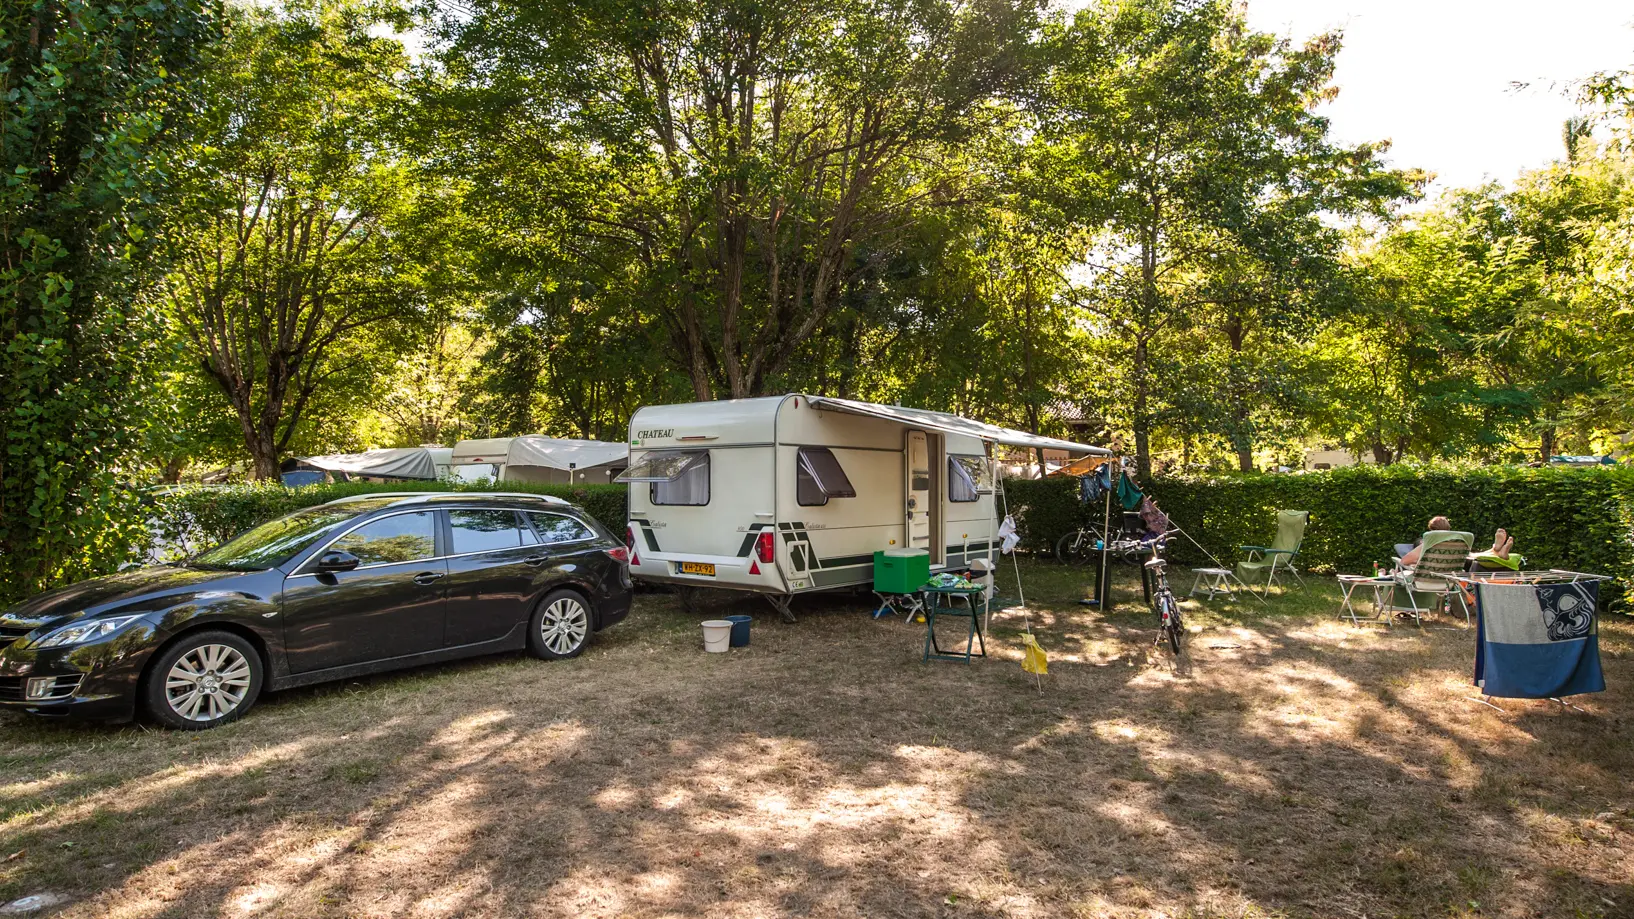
[
  {"x": 1077, "y": 547},
  {"x": 1064, "y": 548},
  {"x": 1172, "y": 627}
]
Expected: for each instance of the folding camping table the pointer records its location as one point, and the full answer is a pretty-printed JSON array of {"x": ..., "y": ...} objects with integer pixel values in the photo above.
[
  {"x": 939, "y": 602},
  {"x": 1213, "y": 580},
  {"x": 1384, "y": 597}
]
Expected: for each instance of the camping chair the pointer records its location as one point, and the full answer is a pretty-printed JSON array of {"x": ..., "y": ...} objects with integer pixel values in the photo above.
[
  {"x": 1279, "y": 555},
  {"x": 1445, "y": 554}
]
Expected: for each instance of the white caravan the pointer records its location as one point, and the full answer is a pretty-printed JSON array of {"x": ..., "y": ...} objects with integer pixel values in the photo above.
[
  {"x": 791, "y": 494},
  {"x": 476, "y": 460}
]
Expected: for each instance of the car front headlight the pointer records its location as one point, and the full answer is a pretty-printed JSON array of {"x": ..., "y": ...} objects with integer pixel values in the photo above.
[{"x": 81, "y": 632}]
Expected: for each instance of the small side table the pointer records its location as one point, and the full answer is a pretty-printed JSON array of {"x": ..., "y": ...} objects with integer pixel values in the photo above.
[
  {"x": 939, "y": 602},
  {"x": 1384, "y": 597},
  {"x": 908, "y": 605},
  {"x": 1213, "y": 580}
]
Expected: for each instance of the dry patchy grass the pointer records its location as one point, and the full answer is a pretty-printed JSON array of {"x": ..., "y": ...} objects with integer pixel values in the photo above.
[{"x": 1291, "y": 766}]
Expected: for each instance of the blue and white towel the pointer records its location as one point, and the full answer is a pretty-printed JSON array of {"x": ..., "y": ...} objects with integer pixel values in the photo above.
[{"x": 1538, "y": 641}]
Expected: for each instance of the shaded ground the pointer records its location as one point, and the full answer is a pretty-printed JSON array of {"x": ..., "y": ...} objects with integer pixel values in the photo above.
[{"x": 1292, "y": 766}]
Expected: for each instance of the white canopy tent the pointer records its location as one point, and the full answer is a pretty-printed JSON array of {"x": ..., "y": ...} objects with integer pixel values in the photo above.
[
  {"x": 535, "y": 458},
  {"x": 399, "y": 463}
]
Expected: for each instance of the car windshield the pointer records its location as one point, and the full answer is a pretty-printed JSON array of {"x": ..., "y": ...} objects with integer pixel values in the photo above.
[{"x": 273, "y": 543}]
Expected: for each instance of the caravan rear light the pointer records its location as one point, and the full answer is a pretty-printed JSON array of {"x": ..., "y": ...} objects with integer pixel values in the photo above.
[
  {"x": 619, "y": 554},
  {"x": 764, "y": 546},
  {"x": 629, "y": 538}
]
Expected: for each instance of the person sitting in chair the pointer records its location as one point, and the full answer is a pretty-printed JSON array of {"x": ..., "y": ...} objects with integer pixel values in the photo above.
[
  {"x": 1410, "y": 557},
  {"x": 1501, "y": 556}
]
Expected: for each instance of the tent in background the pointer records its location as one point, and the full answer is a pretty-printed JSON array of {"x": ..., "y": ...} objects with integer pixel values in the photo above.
[
  {"x": 398, "y": 463},
  {"x": 535, "y": 458}
]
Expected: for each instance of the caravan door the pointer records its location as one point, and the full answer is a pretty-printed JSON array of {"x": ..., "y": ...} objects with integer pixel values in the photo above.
[{"x": 921, "y": 500}]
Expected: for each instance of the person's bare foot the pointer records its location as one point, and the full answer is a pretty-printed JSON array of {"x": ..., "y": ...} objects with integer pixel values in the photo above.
[{"x": 1502, "y": 542}]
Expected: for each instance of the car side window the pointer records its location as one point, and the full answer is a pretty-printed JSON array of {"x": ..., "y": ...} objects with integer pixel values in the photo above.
[
  {"x": 484, "y": 530},
  {"x": 398, "y": 538},
  {"x": 555, "y": 528}
]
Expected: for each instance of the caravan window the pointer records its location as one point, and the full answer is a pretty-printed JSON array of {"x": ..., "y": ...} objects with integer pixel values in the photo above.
[
  {"x": 675, "y": 476},
  {"x": 818, "y": 476},
  {"x": 965, "y": 475}
]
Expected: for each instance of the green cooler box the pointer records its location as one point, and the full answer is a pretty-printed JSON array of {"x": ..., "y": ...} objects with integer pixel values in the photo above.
[{"x": 901, "y": 571}]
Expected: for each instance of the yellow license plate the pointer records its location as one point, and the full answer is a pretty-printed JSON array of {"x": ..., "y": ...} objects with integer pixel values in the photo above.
[{"x": 704, "y": 568}]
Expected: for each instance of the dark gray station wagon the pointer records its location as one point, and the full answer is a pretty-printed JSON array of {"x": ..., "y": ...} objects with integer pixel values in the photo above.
[{"x": 352, "y": 587}]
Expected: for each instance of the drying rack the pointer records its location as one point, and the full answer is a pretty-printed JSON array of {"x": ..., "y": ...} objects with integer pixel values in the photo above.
[
  {"x": 1549, "y": 576},
  {"x": 1546, "y": 576}
]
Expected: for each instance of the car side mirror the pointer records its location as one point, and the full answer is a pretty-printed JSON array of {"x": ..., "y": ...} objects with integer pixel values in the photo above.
[{"x": 338, "y": 560}]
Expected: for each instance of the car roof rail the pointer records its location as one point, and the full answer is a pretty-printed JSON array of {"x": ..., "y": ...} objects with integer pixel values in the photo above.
[
  {"x": 373, "y": 495},
  {"x": 415, "y": 497},
  {"x": 467, "y": 495}
]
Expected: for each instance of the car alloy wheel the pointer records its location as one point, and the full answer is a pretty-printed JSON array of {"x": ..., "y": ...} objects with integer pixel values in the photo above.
[
  {"x": 208, "y": 683},
  {"x": 564, "y": 625}
]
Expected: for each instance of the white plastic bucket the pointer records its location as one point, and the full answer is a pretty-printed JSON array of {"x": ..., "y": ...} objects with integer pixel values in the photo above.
[{"x": 717, "y": 635}]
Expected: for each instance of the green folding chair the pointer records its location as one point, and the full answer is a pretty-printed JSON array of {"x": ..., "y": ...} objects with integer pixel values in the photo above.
[
  {"x": 1267, "y": 561},
  {"x": 1443, "y": 554}
]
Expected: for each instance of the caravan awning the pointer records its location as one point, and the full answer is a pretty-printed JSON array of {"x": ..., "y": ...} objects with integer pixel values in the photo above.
[
  {"x": 953, "y": 424},
  {"x": 403, "y": 463},
  {"x": 562, "y": 453}
]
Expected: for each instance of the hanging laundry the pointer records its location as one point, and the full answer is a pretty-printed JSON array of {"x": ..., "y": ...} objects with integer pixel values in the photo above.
[
  {"x": 1033, "y": 659},
  {"x": 1008, "y": 537},
  {"x": 1155, "y": 521},
  {"x": 1129, "y": 493},
  {"x": 1095, "y": 484},
  {"x": 1538, "y": 641}
]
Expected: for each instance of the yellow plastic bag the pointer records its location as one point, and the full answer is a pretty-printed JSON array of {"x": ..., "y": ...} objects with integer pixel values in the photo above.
[{"x": 1032, "y": 656}]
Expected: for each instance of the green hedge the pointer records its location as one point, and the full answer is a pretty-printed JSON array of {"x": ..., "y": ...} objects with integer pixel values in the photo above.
[
  {"x": 190, "y": 520},
  {"x": 1579, "y": 519}
]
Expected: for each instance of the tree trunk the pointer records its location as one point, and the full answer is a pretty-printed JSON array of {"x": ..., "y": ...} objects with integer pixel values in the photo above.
[
  {"x": 1236, "y": 332},
  {"x": 1381, "y": 453},
  {"x": 264, "y": 454},
  {"x": 1143, "y": 454},
  {"x": 1546, "y": 445}
]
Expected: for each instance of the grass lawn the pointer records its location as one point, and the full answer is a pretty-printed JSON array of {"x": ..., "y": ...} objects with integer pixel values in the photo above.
[{"x": 1290, "y": 765}]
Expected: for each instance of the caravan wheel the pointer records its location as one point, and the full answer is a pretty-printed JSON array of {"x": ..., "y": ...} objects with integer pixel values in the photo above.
[{"x": 688, "y": 597}]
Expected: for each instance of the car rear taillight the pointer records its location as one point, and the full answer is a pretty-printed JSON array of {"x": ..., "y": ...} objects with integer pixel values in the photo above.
[
  {"x": 764, "y": 546},
  {"x": 619, "y": 554}
]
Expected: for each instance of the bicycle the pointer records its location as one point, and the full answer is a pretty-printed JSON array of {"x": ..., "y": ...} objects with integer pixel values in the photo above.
[
  {"x": 1078, "y": 546},
  {"x": 1170, "y": 626},
  {"x": 1084, "y": 545}
]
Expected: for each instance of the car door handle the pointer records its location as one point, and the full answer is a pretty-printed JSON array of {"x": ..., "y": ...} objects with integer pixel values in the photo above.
[
  {"x": 427, "y": 577},
  {"x": 536, "y": 560}
]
